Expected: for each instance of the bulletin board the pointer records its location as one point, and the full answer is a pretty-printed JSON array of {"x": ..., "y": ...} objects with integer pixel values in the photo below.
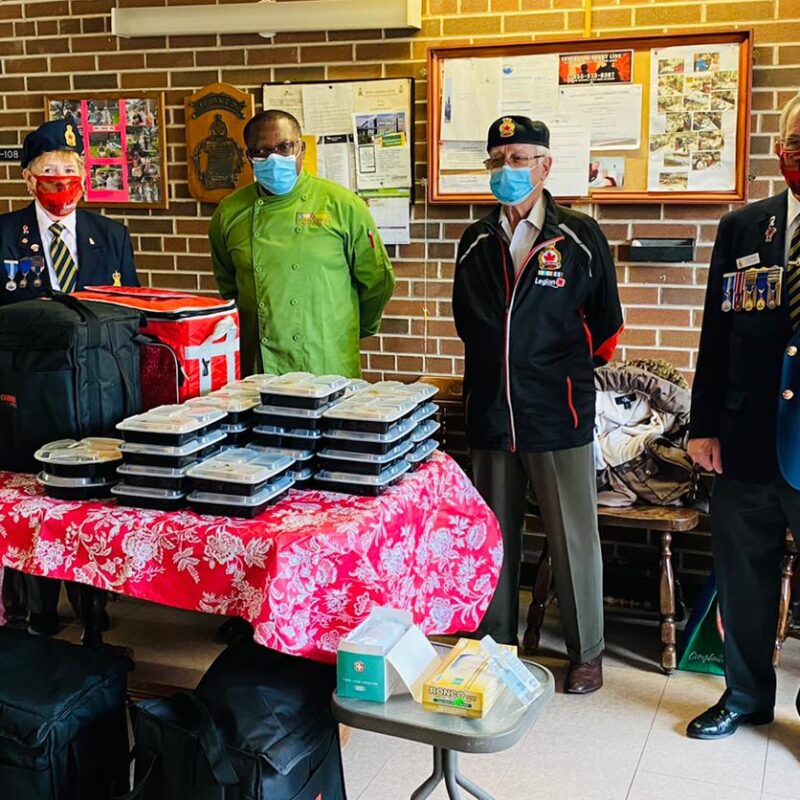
[
  {"x": 124, "y": 145},
  {"x": 359, "y": 134},
  {"x": 644, "y": 119}
]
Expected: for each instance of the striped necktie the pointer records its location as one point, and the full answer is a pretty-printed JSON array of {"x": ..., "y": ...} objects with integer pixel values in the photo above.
[
  {"x": 793, "y": 270},
  {"x": 63, "y": 264}
]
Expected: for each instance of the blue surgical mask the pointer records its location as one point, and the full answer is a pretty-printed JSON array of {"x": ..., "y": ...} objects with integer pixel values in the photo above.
[
  {"x": 278, "y": 174},
  {"x": 511, "y": 185}
]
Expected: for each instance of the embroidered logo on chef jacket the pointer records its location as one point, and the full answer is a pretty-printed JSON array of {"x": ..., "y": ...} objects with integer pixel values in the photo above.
[{"x": 313, "y": 218}]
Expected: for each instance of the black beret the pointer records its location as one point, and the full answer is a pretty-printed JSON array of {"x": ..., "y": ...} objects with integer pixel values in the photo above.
[
  {"x": 60, "y": 134},
  {"x": 517, "y": 130}
]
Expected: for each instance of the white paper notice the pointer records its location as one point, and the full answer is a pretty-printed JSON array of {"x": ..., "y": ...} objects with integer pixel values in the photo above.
[
  {"x": 384, "y": 153},
  {"x": 464, "y": 156},
  {"x": 471, "y": 97},
  {"x": 335, "y": 160},
  {"x": 328, "y": 108},
  {"x": 464, "y": 183},
  {"x": 383, "y": 95},
  {"x": 529, "y": 85},
  {"x": 569, "y": 145},
  {"x": 287, "y": 98},
  {"x": 392, "y": 217},
  {"x": 614, "y": 113},
  {"x": 693, "y": 109}
]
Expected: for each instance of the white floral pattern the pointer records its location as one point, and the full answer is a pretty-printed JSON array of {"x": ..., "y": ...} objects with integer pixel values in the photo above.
[{"x": 305, "y": 573}]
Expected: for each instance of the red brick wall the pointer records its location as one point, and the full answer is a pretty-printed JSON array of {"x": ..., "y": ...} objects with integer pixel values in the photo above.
[{"x": 52, "y": 46}]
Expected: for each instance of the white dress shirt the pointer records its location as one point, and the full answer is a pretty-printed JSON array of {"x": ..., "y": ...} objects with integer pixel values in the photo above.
[
  {"x": 69, "y": 236},
  {"x": 521, "y": 241},
  {"x": 792, "y": 221}
]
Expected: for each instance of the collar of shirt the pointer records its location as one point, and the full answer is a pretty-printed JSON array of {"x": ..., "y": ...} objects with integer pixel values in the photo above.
[
  {"x": 44, "y": 221},
  {"x": 792, "y": 210},
  {"x": 521, "y": 240}
]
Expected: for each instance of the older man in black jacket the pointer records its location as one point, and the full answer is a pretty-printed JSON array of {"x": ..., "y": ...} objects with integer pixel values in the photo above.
[{"x": 535, "y": 301}]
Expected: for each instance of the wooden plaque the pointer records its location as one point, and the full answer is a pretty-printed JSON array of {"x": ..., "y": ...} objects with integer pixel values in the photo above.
[{"x": 215, "y": 120}]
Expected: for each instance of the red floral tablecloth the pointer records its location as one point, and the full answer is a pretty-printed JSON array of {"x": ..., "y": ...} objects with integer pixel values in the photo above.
[{"x": 304, "y": 573}]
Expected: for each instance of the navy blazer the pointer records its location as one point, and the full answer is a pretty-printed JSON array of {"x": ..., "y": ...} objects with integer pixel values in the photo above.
[
  {"x": 104, "y": 247},
  {"x": 737, "y": 384}
]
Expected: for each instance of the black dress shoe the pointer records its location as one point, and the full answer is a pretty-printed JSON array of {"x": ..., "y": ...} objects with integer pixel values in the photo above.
[
  {"x": 718, "y": 722},
  {"x": 43, "y": 623}
]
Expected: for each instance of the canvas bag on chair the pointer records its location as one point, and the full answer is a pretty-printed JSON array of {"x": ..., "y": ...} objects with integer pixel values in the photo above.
[{"x": 68, "y": 369}]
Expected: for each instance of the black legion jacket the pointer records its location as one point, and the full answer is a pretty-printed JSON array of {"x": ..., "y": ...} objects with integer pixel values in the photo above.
[{"x": 532, "y": 339}]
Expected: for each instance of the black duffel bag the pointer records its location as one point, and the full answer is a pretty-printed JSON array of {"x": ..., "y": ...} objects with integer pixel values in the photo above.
[
  {"x": 273, "y": 715},
  {"x": 63, "y": 729},
  {"x": 68, "y": 369}
]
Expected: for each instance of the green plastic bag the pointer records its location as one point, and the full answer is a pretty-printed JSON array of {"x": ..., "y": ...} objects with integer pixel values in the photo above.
[{"x": 702, "y": 648}]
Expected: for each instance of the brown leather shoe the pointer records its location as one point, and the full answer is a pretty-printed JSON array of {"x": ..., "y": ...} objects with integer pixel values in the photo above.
[{"x": 585, "y": 678}]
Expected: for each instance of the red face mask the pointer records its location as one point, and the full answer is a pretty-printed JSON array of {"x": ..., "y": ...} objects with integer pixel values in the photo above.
[
  {"x": 790, "y": 167},
  {"x": 59, "y": 194}
]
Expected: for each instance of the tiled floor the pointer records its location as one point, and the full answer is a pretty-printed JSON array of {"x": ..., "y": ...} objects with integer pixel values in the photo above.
[{"x": 625, "y": 742}]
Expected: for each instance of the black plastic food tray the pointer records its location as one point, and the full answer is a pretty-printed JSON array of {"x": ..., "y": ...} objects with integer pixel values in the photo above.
[
  {"x": 239, "y": 437},
  {"x": 358, "y": 467},
  {"x": 149, "y": 460},
  {"x": 285, "y": 440},
  {"x": 363, "y": 425},
  {"x": 156, "y": 503},
  {"x": 363, "y": 490},
  {"x": 231, "y": 510},
  {"x": 294, "y": 401},
  {"x": 239, "y": 417},
  {"x": 168, "y": 439},
  {"x": 281, "y": 421},
  {"x": 78, "y": 492},
  {"x": 230, "y": 487},
  {"x": 364, "y": 446},
  {"x": 157, "y": 482},
  {"x": 100, "y": 469}
]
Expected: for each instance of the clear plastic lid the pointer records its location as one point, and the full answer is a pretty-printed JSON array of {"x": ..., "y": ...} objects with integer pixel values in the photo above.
[
  {"x": 71, "y": 483},
  {"x": 303, "y": 384},
  {"x": 424, "y": 412},
  {"x": 147, "y": 492},
  {"x": 397, "y": 432},
  {"x": 239, "y": 465},
  {"x": 244, "y": 501},
  {"x": 370, "y": 410},
  {"x": 143, "y": 471},
  {"x": 419, "y": 392},
  {"x": 425, "y": 430},
  {"x": 195, "y": 446},
  {"x": 387, "y": 476},
  {"x": 298, "y": 454},
  {"x": 356, "y": 385},
  {"x": 299, "y": 413},
  {"x": 239, "y": 427},
  {"x": 304, "y": 474},
  {"x": 173, "y": 419},
  {"x": 232, "y": 403},
  {"x": 422, "y": 451},
  {"x": 86, "y": 451},
  {"x": 349, "y": 455},
  {"x": 299, "y": 433}
]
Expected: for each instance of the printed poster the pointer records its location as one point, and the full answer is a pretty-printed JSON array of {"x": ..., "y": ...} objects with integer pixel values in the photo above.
[
  {"x": 693, "y": 112},
  {"x": 576, "y": 69}
]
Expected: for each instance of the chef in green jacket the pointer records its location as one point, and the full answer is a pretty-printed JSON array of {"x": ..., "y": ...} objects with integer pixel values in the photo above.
[{"x": 302, "y": 258}]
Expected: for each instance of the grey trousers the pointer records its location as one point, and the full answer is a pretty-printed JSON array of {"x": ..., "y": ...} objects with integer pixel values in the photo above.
[
  {"x": 566, "y": 491},
  {"x": 748, "y": 534}
]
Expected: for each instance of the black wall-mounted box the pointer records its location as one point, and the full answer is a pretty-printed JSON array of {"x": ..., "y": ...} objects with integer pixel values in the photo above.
[{"x": 665, "y": 250}]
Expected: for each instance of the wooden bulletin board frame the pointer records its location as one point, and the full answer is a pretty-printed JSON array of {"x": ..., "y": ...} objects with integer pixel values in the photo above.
[
  {"x": 137, "y": 126},
  {"x": 309, "y": 134},
  {"x": 641, "y": 45}
]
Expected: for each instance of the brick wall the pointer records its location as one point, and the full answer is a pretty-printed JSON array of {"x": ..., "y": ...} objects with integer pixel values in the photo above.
[{"x": 51, "y": 46}]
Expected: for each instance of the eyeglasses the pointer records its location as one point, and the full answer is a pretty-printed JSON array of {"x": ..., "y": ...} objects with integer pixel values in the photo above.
[
  {"x": 497, "y": 162},
  {"x": 791, "y": 156},
  {"x": 263, "y": 153}
]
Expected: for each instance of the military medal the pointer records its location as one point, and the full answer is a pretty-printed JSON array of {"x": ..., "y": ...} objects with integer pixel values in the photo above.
[
  {"x": 24, "y": 269},
  {"x": 11, "y": 271},
  {"x": 117, "y": 278},
  {"x": 774, "y": 283},
  {"x": 35, "y": 247},
  {"x": 738, "y": 291},
  {"x": 749, "y": 302},
  {"x": 761, "y": 289},
  {"x": 728, "y": 282},
  {"x": 37, "y": 268},
  {"x": 771, "y": 230}
]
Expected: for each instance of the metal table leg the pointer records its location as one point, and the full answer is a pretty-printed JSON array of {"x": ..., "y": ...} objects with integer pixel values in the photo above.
[{"x": 445, "y": 767}]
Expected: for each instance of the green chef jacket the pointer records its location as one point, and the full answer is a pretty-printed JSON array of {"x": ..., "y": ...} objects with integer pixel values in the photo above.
[{"x": 309, "y": 274}]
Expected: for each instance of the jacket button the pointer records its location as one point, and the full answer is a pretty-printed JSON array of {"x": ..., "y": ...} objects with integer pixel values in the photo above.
[
  {"x": 295, "y": 267},
  {"x": 262, "y": 304},
  {"x": 787, "y": 394},
  {"x": 261, "y": 202},
  {"x": 264, "y": 340},
  {"x": 296, "y": 337},
  {"x": 298, "y": 229},
  {"x": 293, "y": 302},
  {"x": 791, "y": 350}
]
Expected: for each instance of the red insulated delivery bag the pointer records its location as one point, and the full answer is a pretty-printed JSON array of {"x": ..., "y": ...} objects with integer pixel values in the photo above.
[{"x": 194, "y": 340}]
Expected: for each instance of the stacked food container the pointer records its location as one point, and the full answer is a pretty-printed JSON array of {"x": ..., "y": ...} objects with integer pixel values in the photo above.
[
  {"x": 160, "y": 447},
  {"x": 79, "y": 470},
  {"x": 290, "y": 419},
  {"x": 238, "y": 401},
  {"x": 370, "y": 440},
  {"x": 239, "y": 482}
]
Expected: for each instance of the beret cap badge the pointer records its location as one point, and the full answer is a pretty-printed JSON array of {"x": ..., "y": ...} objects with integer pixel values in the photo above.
[
  {"x": 69, "y": 136},
  {"x": 507, "y": 128}
]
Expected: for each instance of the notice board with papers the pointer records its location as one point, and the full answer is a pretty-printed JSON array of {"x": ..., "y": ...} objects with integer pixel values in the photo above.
[
  {"x": 359, "y": 134},
  {"x": 648, "y": 118}
]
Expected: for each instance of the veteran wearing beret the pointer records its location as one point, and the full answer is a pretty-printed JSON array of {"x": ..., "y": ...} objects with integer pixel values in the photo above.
[
  {"x": 51, "y": 244},
  {"x": 535, "y": 301}
]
